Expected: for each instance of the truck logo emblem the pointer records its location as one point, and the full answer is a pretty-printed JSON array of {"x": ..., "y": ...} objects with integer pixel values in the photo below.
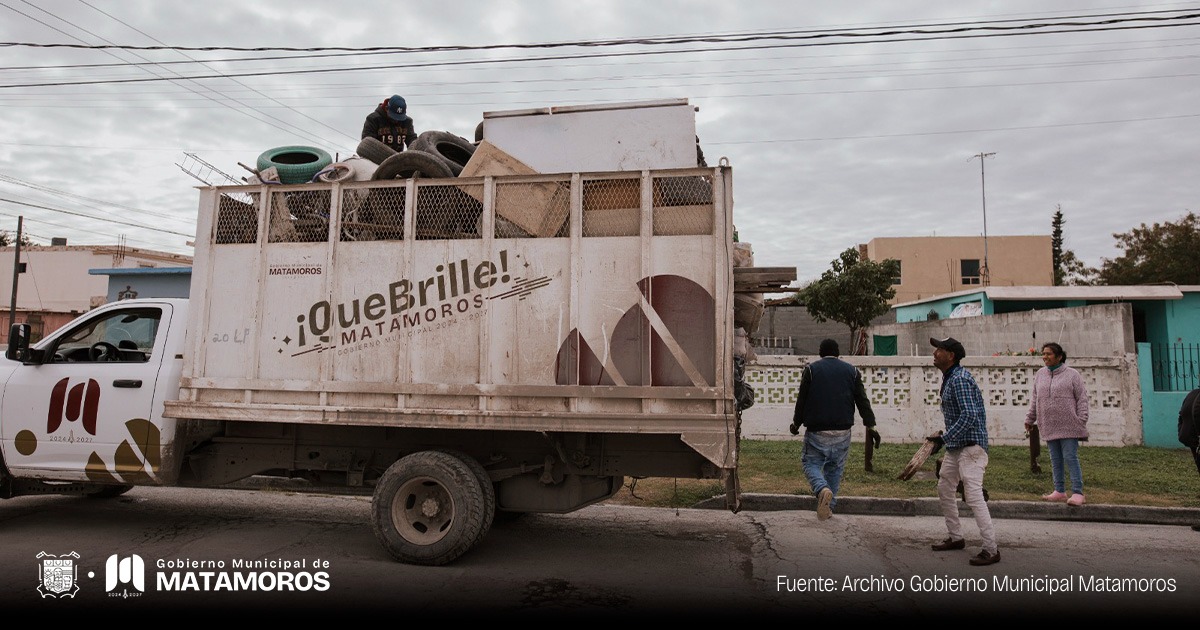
[
  {"x": 58, "y": 574},
  {"x": 78, "y": 404}
]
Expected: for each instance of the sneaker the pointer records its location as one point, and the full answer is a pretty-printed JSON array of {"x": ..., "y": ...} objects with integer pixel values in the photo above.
[
  {"x": 949, "y": 544},
  {"x": 1076, "y": 499},
  {"x": 1056, "y": 497},
  {"x": 984, "y": 558},
  {"x": 824, "y": 498}
]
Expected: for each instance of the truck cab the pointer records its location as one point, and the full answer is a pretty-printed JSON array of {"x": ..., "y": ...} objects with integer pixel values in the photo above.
[{"x": 85, "y": 404}]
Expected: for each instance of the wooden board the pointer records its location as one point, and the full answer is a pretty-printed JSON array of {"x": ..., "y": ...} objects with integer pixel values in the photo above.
[
  {"x": 543, "y": 209},
  {"x": 917, "y": 460},
  {"x": 762, "y": 279}
]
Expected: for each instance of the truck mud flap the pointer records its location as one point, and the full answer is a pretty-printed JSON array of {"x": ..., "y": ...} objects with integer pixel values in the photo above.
[{"x": 733, "y": 490}]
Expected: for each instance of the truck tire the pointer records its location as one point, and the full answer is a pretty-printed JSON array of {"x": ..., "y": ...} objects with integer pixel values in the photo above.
[
  {"x": 455, "y": 151},
  {"x": 108, "y": 492},
  {"x": 428, "y": 508},
  {"x": 412, "y": 164},
  {"x": 374, "y": 150},
  {"x": 485, "y": 484},
  {"x": 295, "y": 164}
]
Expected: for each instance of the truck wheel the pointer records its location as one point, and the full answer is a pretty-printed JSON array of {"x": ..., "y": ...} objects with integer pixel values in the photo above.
[
  {"x": 108, "y": 492},
  {"x": 485, "y": 484},
  {"x": 428, "y": 508},
  {"x": 374, "y": 150},
  {"x": 412, "y": 163}
]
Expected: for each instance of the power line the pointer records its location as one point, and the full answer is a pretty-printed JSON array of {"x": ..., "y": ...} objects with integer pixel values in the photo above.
[
  {"x": 90, "y": 233},
  {"x": 158, "y": 77},
  {"x": 478, "y": 62},
  {"x": 790, "y": 34},
  {"x": 87, "y": 216},
  {"x": 205, "y": 64},
  {"x": 39, "y": 187}
]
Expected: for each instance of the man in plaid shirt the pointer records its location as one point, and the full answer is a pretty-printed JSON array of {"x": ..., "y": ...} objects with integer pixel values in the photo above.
[{"x": 966, "y": 442}]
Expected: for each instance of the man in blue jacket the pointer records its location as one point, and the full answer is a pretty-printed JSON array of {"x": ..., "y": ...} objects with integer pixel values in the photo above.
[
  {"x": 830, "y": 389},
  {"x": 966, "y": 460}
]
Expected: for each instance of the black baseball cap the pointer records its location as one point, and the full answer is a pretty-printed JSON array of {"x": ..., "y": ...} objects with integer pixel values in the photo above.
[{"x": 950, "y": 344}]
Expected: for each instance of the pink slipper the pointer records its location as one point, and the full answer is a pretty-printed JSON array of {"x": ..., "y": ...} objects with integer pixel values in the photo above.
[
  {"x": 1056, "y": 497},
  {"x": 1076, "y": 500}
]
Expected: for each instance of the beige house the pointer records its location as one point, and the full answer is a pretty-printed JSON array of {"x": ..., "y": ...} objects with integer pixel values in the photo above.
[
  {"x": 54, "y": 286},
  {"x": 934, "y": 265}
]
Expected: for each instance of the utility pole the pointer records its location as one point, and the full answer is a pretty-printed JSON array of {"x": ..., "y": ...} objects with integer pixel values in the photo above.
[
  {"x": 985, "y": 273},
  {"x": 12, "y": 305}
]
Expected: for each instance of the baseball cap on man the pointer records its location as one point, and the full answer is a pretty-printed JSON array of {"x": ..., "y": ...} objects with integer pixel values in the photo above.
[
  {"x": 397, "y": 109},
  {"x": 950, "y": 344}
]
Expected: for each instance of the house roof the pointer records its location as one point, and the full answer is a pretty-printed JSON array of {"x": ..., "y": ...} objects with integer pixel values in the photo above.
[
  {"x": 1109, "y": 293},
  {"x": 140, "y": 271}
]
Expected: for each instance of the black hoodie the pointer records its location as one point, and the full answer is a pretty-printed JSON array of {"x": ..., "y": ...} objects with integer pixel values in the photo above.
[{"x": 380, "y": 126}]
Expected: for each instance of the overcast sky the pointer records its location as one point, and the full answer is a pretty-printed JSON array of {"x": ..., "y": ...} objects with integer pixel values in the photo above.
[{"x": 833, "y": 140}]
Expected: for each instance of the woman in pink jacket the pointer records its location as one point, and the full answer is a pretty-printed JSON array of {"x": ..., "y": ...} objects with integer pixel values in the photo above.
[{"x": 1060, "y": 410}]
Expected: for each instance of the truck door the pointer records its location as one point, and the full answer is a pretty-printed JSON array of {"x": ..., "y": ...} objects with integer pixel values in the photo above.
[{"x": 84, "y": 413}]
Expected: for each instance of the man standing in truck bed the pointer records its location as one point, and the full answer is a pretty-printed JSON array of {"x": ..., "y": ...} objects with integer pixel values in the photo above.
[{"x": 391, "y": 124}]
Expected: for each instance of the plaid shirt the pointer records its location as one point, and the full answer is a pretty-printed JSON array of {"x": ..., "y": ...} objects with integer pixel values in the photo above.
[{"x": 962, "y": 407}]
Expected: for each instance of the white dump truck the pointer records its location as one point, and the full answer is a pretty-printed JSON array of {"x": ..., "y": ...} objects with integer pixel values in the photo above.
[{"x": 486, "y": 344}]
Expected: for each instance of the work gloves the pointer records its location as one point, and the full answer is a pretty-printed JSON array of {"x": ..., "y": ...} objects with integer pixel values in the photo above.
[
  {"x": 937, "y": 440},
  {"x": 794, "y": 428},
  {"x": 874, "y": 436}
]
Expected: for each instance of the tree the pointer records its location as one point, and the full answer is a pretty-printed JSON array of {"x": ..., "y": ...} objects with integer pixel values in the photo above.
[
  {"x": 1075, "y": 273},
  {"x": 6, "y": 239},
  {"x": 852, "y": 292},
  {"x": 1056, "y": 245},
  {"x": 1068, "y": 269},
  {"x": 1165, "y": 252}
]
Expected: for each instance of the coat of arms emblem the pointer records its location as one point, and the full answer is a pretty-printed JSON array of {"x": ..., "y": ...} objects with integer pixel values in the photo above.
[{"x": 58, "y": 574}]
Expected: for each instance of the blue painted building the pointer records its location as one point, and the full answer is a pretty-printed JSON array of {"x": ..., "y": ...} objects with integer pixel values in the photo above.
[{"x": 146, "y": 282}]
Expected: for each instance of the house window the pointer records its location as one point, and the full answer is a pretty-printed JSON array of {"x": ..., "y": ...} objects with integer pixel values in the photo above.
[
  {"x": 896, "y": 278},
  {"x": 970, "y": 271}
]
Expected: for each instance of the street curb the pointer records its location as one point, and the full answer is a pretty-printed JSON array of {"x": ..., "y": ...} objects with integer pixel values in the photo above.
[{"x": 928, "y": 506}]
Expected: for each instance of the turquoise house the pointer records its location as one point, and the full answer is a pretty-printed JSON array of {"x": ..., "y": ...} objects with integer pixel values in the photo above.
[{"x": 1166, "y": 330}]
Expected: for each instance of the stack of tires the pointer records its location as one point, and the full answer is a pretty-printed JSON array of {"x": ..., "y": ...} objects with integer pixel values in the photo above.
[{"x": 437, "y": 154}]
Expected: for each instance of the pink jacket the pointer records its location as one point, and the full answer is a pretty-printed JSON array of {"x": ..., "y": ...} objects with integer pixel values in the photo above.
[{"x": 1060, "y": 404}]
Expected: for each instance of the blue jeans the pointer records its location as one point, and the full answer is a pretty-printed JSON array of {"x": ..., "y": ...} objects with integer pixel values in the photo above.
[
  {"x": 1066, "y": 451},
  {"x": 824, "y": 459}
]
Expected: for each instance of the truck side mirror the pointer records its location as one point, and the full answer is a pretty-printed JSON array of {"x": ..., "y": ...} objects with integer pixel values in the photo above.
[{"x": 18, "y": 343}]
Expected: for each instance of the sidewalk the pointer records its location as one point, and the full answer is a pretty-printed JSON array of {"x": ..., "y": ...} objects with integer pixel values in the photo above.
[{"x": 1029, "y": 510}]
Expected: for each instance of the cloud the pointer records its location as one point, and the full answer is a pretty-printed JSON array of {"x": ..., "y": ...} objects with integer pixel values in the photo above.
[{"x": 831, "y": 146}]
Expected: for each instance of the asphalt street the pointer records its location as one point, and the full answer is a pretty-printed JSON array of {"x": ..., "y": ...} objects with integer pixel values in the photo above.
[{"x": 771, "y": 560}]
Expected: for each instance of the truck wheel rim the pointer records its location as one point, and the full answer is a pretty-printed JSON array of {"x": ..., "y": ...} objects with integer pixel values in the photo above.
[{"x": 422, "y": 511}]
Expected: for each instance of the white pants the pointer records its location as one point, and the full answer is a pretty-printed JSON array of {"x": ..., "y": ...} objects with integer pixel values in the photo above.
[{"x": 968, "y": 465}]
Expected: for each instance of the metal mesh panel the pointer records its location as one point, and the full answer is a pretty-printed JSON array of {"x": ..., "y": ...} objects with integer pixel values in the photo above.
[
  {"x": 448, "y": 211},
  {"x": 237, "y": 219},
  {"x": 612, "y": 207},
  {"x": 375, "y": 214},
  {"x": 525, "y": 209},
  {"x": 683, "y": 205},
  {"x": 299, "y": 216}
]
